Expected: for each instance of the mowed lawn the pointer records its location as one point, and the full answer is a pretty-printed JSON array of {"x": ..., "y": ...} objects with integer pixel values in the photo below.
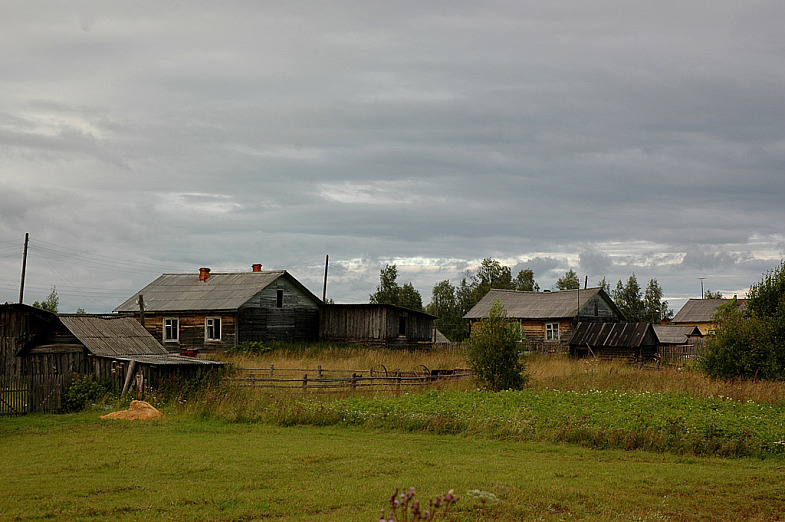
[{"x": 79, "y": 467}]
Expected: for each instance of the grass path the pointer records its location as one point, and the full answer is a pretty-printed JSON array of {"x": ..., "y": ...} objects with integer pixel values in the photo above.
[{"x": 78, "y": 467}]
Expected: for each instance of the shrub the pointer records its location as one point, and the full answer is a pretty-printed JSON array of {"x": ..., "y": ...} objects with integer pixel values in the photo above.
[
  {"x": 494, "y": 353},
  {"x": 82, "y": 391},
  {"x": 251, "y": 348}
]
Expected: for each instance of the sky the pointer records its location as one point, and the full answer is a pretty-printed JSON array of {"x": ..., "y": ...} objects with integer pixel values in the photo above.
[{"x": 611, "y": 137}]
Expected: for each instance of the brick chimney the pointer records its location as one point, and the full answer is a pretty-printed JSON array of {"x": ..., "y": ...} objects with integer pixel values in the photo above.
[
  {"x": 204, "y": 274},
  {"x": 256, "y": 267}
]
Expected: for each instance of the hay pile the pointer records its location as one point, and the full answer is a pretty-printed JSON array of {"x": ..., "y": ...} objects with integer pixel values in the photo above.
[{"x": 138, "y": 410}]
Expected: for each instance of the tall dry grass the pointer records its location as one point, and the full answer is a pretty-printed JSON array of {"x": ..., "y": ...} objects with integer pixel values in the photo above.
[{"x": 553, "y": 372}]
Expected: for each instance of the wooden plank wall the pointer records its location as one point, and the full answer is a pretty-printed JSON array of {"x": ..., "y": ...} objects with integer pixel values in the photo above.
[{"x": 192, "y": 331}]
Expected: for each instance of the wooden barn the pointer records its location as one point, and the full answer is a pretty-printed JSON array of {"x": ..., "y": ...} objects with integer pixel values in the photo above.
[
  {"x": 42, "y": 352},
  {"x": 630, "y": 341},
  {"x": 207, "y": 312},
  {"x": 377, "y": 324},
  {"x": 547, "y": 319}
]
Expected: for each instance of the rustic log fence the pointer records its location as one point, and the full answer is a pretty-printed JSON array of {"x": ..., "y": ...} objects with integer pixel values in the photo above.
[{"x": 323, "y": 379}]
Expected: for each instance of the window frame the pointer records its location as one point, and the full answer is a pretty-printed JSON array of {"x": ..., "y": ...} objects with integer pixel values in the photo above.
[
  {"x": 173, "y": 326},
  {"x": 279, "y": 298},
  {"x": 208, "y": 327},
  {"x": 550, "y": 329}
]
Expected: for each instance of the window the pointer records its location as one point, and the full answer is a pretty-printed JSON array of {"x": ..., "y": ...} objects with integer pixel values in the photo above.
[
  {"x": 212, "y": 329},
  {"x": 551, "y": 331},
  {"x": 279, "y": 299},
  {"x": 171, "y": 329}
]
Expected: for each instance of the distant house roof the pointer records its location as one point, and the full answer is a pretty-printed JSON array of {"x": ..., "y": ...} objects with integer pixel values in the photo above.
[
  {"x": 674, "y": 334},
  {"x": 109, "y": 336},
  {"x": 371, "y": 306},
  {"x": 539, "y": 305},
  {"x": 186, "y": 292},
  {"x": 701, "y": 310},
  {"x": 609, "y": 335}
]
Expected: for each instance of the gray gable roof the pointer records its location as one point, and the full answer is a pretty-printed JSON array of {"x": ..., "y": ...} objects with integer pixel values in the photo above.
[
  {"x": 701, "y": 310},
  {"x": 673, "y": 334},
  {"x": 185, "y": 292},
  {"x": 539, "y": 305},
  {"x": 109, "y": 336}
]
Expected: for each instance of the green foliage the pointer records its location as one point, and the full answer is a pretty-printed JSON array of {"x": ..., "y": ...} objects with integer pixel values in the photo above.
[
  {"x": 569, "y": 281},
  {"x": 493, "y": 351},
  {"x": 82, "y": 391},
  {"x": 708, "y": 294},
  {"x": 629, "y": 299},
  {"x": 655, "y": 309},
  {"x": 389, "y": 292},
  {"x": 51, "y": 302},
  {"x": 451, "y": 303},
  {"x": 251, "y": 348},
  {"x": 750, "y": 344}
]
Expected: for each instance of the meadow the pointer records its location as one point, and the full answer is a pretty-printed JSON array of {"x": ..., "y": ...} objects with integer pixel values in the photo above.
[{"x": 585, "y": 440}]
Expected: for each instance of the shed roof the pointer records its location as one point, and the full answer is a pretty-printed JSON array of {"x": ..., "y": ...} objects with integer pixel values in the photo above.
[
  {"x": 701, "y": 310},
  {"x": 108, "y": 336},
  {"x": 375, "y": 306},
  {"x": 185, "y": 292},
  {"x": 538, "y": 305},
  {"x": 169, "y": 360},
  {"x": 607, "y": 335},
  {"x": 675, "y": 334}
]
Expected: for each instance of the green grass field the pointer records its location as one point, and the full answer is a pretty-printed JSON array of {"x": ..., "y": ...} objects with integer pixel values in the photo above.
[
  {"x": 584, "y": 441},
  {"x": 79, "y": 467}
]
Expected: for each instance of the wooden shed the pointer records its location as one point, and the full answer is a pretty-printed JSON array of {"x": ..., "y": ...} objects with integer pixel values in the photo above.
[
  {"x": 41, "y": 352},
  {"x": 630, "y": 341},
  {"x": 208, "y": 312},
  {"x": 700, "y": 313},
  {"x": 676, "y": 343},
  {"x": 547, "y": 319},
  {"x": 377, "y": 324}
]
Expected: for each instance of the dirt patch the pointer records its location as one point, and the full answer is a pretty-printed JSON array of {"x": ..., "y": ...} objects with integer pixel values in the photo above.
[{"x": 138, "y": 410}]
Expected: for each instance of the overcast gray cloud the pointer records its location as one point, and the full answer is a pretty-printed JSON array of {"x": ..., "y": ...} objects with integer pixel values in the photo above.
[{"x": 609, "y": 137}]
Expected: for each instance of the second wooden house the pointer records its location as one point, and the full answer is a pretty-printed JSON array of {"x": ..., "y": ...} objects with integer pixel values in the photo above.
[
  {"x": 208, "y": 312},
  {"x": 547, "y": 319}
]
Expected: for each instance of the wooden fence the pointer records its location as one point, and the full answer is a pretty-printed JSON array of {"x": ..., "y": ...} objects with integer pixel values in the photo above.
[
  {"x": 320, "y": 379},
  {"x": 32, "y": 393},
  {"x": 678, "y": 354}
]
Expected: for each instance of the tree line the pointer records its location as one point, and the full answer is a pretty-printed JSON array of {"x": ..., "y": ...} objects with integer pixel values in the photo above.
[{"x": 451, "y": 302}]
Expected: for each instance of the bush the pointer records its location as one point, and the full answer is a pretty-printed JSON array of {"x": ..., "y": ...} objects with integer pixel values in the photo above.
[
  {"x": 494, "y": 352},
  {"x": 251, "y": 348},
  {"x": 82, "y": 391},
  {"x": 751, "y": 343}
]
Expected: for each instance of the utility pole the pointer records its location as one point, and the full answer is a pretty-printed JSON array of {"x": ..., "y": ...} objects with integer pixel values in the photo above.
[
  {"x": 701, "y": 278},
  {"x": 24, "y": 268},
  {"x": 324, "y": 289}
]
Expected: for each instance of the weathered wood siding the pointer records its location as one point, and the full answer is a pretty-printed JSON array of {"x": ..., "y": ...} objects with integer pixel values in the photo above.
[
  {"x": 17, "y": 325},
  {"x": 596, "y": 310},
  {"x": 192, "y": 331},
  {"x": 376, "y": 324},
  {"x": 297, "y": 319}
]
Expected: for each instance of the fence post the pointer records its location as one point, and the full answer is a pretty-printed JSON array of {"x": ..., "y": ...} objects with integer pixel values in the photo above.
[
  {"x": 305, "y": 382},
  {"x": 354, "y": 381},
  {"x": 319, "y": 372},
  {"x": 272, "y": 369}
]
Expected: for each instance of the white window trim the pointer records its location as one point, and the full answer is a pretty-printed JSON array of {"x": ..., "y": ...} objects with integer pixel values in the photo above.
[
  {"x": 206, "y": 328},
  {"x": 176, "y": 338},
  {"x": 554, "y": 328}
]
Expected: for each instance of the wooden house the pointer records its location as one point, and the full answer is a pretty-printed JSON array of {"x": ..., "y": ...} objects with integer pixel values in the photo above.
[
  {"x": 377, "y": 324},
  {"x": 41, "y": 352},
  {"x": 700, "y": 313},
  {"x": 207, "y": 312},
  {"x": 547, "y": 319},
  {"x": 630, "y": 341}
]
